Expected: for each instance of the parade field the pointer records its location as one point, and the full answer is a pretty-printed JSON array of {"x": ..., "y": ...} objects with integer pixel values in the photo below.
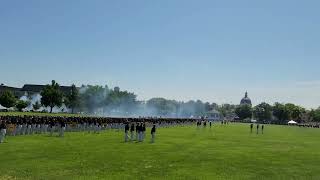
[{"x": 222, "y": 152}]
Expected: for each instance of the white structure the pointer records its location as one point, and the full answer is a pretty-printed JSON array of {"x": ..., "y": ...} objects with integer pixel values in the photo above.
[
  {"x": 292, "y": 122},
  {"x": 214, "y": 115}
]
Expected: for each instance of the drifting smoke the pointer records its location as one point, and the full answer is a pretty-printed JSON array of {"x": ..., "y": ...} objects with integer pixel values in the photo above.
[
  {"x": 102, "y": 101},
  {"x": 34, "y": 98}
]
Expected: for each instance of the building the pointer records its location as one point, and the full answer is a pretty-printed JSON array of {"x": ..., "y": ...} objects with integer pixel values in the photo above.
[
  {"x": 16, "y": 91},
  {"x": 30, "y": 89},
  {"x": 246, "y": 100}
]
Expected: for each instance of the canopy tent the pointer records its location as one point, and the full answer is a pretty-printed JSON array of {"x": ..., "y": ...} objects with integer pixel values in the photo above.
[
  {"x": 253, "y": 120},
  {"x": 292, "y": 122}
]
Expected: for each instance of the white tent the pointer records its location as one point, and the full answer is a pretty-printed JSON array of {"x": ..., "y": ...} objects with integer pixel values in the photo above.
[
  {"x": 253, "y": 121},
  {"x": 292, "y": 122}
]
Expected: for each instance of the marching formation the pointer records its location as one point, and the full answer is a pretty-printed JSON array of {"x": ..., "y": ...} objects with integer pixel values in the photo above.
[{"x": 57, "y": 126}]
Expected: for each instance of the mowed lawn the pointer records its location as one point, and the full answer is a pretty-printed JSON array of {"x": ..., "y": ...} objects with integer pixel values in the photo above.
[{"x": 222, "y": 152}]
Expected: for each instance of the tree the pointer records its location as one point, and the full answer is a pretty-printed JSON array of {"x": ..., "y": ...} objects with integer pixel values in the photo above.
[
  {"x": 295, "y": 112},
  {"x": 226, "y": 109},
  {"x": 281, "y": 112},
  {"x": 72, "y": 99},
  {"x": 20, "y": 105},
  {"x": 51, "y": 96},
  {"x": 7, "y": 99},
  {"x": 244, "y": 111},
  {"x": 36, "y": 106},
  {"x": 263, "y": 111},
  {"x": 315, "y": 115}
]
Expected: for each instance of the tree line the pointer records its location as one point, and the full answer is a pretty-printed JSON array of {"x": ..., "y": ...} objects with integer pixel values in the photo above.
[{"x": 102, "y": 100}]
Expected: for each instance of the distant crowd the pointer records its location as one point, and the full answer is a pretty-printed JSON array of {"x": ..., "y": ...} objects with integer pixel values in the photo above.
[{"x": 29, "y": 125}]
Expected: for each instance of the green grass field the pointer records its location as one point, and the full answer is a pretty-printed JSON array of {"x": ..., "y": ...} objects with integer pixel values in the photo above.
[{"x": 223, "y": 152}]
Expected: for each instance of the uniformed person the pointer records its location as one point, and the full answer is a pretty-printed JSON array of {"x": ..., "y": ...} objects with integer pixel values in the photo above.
[
  {"x": 251, "y": 127},
  {"x": 143, "y": 131},
  {"x": 126, "y": 130},
  {"x": 262, "y": 127},
  {"x": 62, "y": 128},
  {"x": 137, "y": 131},
  {"x": 153, "y": 133},
  {"x": 52, "y": 127},
  {"x": 257, "y": 128},
  {"x": 132, "y": 131},
  {"x": 3, "y": 131}
]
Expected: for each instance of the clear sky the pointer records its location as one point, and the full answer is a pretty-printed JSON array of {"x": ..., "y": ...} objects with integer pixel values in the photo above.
[{"x": 178, "y": 49}]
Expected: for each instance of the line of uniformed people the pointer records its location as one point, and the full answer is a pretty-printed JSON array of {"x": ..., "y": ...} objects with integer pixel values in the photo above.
[
  {"x": 29, "y": 125},
  {"x": 138, "y": 132}
]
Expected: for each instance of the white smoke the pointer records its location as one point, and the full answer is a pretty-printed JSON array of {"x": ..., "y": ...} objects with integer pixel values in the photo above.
[{"x": 34, "y": 98}]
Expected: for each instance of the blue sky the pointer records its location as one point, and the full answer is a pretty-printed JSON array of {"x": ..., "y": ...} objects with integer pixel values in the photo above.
[{"x": 178, "y": 49}]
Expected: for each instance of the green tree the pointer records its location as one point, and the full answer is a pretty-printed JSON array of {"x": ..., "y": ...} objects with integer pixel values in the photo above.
[
  {"x": 52, "y": 96},
  {"x": 244, "y": 111},
  {"x": 36, "y": 106},
  {"x": 281, "y": 112},
  {"x": 72, "y": 100},
  {"x": 315, "y": 115},
  {"x": 20, "y": 105},
  {"x": 263, "y": 111},
  {"x": 7, "y": 99},
  {"x": 226, "y": 109}
]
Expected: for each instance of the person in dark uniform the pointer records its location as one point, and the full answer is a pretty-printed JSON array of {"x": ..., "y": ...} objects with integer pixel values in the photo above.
[
  {"x": 3, "y": 131},
  {"x": 153, "y": 133},
  {"x": 262, "y": 127},
  {"x": 251, "y": 127},
  {"x": 62, "y": 128},
  {"x": 126, "y": 130},
  {"x": 52, "y": 127},
  {"x": 132, "y": 131},
  {"x": 137, "y": 131},
  {"x": 210, "y": 124},
  {"x": 257, "y": 128},
  {"x": 143, "y": 131}
]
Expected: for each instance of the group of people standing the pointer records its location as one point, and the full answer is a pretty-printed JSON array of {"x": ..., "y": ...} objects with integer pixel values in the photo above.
[
  {"x": 57, "y": 125},
  {"x": 258, "y": 127},
  {"x": 138, "y": 132}
]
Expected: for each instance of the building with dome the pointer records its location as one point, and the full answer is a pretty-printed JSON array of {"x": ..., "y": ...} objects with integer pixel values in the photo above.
[{"x": 246, "y": 100}]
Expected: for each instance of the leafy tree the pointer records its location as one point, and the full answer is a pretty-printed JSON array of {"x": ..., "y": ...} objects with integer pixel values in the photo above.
[
  {"x": 315, "y": 115},
  {"x": 162, "y": 107},
  {"x": 7, "y": 99},
  {"x": 20, "y": 105},
  {"x": 36, "y": 106},
  {"x": 72, "y": 99},
  {"x": 121, "y": 101},
  {"x": 51, "y": 96},
  {"x": 263, "y": 111},
  {"x": 281, "y": 112},
  {"x": 295, "y": 112},
  {"x": 227, "y": 109},
  {"x": 244, "y": 111}
]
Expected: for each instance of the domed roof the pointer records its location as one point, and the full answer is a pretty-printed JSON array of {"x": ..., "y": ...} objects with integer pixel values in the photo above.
[{"x": 245, "y": 100}]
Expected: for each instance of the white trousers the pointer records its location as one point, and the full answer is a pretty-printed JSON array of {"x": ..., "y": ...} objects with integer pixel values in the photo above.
[
  {"x": 153, "y": 135},
  {"x": 62, "y": 129},
  {"x": 140, "y": 136},
  {"x": 2, "y": 135},
  {"x": 132, "y": 136},
  {"x": 126, "y": 137}
]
